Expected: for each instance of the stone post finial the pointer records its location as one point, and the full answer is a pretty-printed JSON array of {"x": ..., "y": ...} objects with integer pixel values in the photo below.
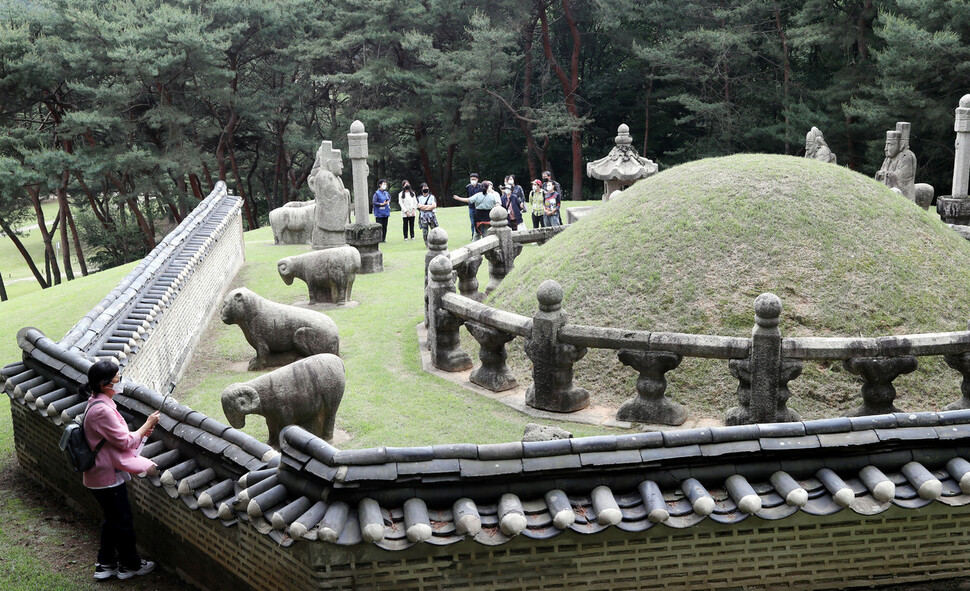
[
  {"x": 550, "y": 296},
  {"x": 767, "y": 310}
]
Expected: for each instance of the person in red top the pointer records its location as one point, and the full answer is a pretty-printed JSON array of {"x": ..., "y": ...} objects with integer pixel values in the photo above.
[{"x": 117, "y": 459}]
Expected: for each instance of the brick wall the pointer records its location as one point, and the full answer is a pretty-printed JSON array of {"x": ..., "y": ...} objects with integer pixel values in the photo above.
[{"x": 173, "y": 339}]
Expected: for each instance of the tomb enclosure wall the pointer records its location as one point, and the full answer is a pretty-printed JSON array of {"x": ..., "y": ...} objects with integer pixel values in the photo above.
[{"x": 165, "y": 355}]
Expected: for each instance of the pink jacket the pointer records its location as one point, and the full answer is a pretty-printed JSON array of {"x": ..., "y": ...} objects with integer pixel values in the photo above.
[{"x": 118, "y": 451}]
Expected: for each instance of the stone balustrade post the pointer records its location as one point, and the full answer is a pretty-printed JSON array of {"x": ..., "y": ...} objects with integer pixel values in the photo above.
[
  {"x": 443, "y": 338},
  {"x": 437, "y": 244},
  {"x": 468, "y": 278},
  {"x": 763, "y": 377},
  {"x": 501, "y": 260},
  {"x": 552, "y": 362},
  {"x": 878, "y": 373},
  {"x": 493, "y": 373},
  {"x": 961, "y": 363},
  {"x": 650, "y": 405}
]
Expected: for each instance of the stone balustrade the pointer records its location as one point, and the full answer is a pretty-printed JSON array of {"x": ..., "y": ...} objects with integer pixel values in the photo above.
[{"x": 763, "y": 364}]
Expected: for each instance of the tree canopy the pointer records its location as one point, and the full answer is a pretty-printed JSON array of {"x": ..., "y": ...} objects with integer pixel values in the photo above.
[{"x": 126, "y": 111}]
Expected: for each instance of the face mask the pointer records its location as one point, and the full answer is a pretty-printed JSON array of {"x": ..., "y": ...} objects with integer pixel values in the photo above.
[
  {"x": 117, "y": 388},
  {"x": 425, "y": 191}
]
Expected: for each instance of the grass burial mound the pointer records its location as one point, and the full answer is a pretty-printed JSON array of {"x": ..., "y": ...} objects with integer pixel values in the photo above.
[{"x": 689, "y": 249}]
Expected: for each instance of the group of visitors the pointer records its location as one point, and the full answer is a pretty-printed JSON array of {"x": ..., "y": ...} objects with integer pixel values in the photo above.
[
  {"x": 412, "y": 205},
  {"x": 545, "y": 200}
]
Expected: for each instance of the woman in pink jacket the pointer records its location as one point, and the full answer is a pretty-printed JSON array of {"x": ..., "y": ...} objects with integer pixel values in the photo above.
[{"x": 117, "y": 459}]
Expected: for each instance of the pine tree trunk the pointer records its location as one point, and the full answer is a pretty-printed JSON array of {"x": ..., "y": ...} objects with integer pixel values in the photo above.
[{"x": 23, "y": 252}]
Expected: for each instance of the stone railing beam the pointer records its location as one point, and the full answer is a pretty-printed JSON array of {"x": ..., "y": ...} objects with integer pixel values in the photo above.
[
  {"x": 500, "y": 319},
  {"x": 690, "y": 345}
]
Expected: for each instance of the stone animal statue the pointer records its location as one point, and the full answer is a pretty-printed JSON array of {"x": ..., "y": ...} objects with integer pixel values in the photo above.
[
  {"x": 279, "y": 333},
  {"x": 293, "y": 223},
  {"x": 329, "y": 274},
  {"x": 305, "y": 393}
]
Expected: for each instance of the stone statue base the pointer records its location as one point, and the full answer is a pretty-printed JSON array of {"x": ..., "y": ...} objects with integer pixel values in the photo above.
[
  {"x": 366, "y": 238},
  {"x": 954, "y": 210},
  {"x": 325, "y": 239}
]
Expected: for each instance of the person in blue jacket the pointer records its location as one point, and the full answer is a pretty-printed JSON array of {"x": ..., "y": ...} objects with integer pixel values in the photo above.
[{"x": 382, "y": 207}]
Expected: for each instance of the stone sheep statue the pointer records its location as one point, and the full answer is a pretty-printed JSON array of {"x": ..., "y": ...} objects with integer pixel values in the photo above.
[
  {"x": 305, "y": 393},
  {"x": 293, "y": 223},
  {"x": 279, "y": 333},
  {"x": 328, "y": 273}
]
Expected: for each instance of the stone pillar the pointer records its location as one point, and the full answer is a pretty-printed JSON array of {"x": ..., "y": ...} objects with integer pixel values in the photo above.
[
  {"x": 363, "y": 234},
  {"x": 763, "y": 377},
  {"x": 552, "y": 362},
  {"x": 878, "y": 373},
  {"x": 493, "y": 373},
  {"x": 501, "y": 260},
  {"x": 955, "y": 208},
  {"x": 650, "y": 405},
  {"x": 443, "y": 338}
]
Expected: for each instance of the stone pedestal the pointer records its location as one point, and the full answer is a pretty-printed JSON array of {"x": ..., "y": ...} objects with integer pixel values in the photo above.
[
  {"x": 954, "y": 210},
  {"x": 365, "y": 238}
]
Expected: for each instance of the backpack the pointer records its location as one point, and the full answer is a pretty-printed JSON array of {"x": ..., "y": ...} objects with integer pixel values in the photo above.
[{"x": 75, "y": 446}]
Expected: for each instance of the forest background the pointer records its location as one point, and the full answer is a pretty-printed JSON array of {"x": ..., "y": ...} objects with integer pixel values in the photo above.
[{"x": 127, "y": 111}]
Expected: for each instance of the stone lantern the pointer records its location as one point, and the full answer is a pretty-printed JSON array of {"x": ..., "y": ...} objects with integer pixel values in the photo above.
[{"x": 622, "y": 166}]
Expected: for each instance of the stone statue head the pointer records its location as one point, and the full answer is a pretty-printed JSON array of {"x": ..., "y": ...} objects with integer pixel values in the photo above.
[
  {"x": 892, "y": 143},
  {"x": 329, "y": 159}
]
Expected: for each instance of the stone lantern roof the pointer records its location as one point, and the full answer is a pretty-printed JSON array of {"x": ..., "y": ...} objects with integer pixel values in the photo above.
[{"x": 623, "y": 163}]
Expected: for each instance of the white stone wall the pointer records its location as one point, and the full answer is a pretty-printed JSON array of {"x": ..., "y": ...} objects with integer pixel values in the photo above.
[{"x": 169, "y": 345}]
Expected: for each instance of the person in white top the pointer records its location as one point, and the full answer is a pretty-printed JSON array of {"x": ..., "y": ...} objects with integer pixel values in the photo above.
[{"x": 409, "y": 207}]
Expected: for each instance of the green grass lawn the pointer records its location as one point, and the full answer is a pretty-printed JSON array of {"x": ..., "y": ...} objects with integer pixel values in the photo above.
[{"x": 17, "y": 278}]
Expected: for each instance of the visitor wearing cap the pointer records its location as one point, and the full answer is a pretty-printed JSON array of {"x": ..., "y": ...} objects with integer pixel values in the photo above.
[
  {"x": 471, "y": 188},
  {"x": 537, "y": 200},
  {"x": 382, "y": 207}
]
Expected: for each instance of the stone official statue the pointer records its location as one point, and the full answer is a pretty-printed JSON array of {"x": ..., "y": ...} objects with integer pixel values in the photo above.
[
  {"x": 898, "y": 170},
  {"x": 816, "y": 148},
  {"x": 333, "y": 200}
]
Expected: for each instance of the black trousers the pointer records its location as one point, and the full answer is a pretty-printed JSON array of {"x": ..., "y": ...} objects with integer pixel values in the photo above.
[
  {"x": 536, "y": 220},
  {"x": 118, "y": 528},
  {"x": 408, "y": 225},
  {"x": 383, "y": 223}
]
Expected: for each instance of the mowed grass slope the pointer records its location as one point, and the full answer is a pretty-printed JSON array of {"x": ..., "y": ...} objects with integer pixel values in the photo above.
[{"x": 689, "y": 250}]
